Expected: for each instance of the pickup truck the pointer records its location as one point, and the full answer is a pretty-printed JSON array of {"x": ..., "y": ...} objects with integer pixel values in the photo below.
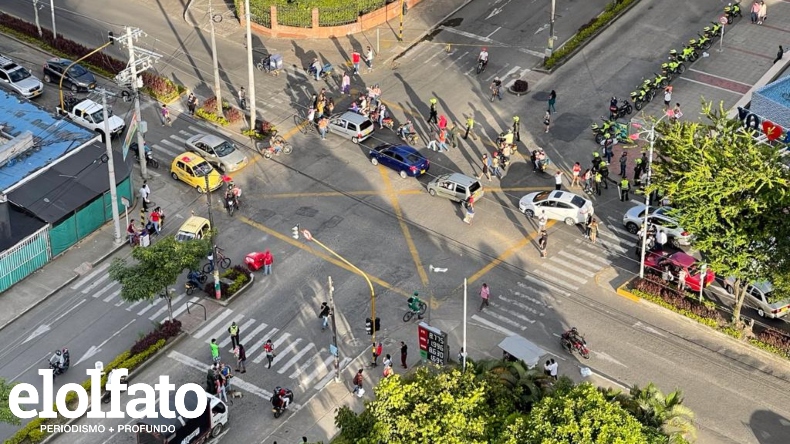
[
  {"x": 90, "y": 114},
  {"x": 185, "y": 430}
]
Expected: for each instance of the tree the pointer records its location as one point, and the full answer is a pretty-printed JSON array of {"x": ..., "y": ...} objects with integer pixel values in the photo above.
[
  {"x": 157, "y": 267},
  {"x": 663, "y": 412},
  {"x": 729, "y": 190},
  {"x": 5, "y": 410}
]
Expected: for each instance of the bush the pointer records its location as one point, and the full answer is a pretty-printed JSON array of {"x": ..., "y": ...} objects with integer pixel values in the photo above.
[
  {"x": 520, "y": 86},
  {"x": 299, "y": 14},
  {"x": 161, "y": 88},
  {"x": 165, "y": 331},
  {"x": 240, "y": 275}
]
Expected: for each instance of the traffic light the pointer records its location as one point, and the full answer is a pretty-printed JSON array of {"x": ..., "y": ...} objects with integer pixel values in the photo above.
[
  {"x": 378, "y": 324},
  {"x": 295, "y": 231},
  {"x": 369, "y": 326}
]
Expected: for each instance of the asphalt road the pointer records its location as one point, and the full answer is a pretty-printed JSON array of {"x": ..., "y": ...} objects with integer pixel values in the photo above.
[{"x": 394, "y": 231}]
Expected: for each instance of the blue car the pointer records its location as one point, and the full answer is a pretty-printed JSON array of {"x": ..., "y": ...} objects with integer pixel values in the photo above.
[{"x": 404, "y": 159}]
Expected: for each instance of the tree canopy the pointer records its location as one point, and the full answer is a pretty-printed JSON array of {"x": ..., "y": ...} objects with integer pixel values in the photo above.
[
  {"x": 729, "y": 190},
  {"x": 5, "y": 411}
]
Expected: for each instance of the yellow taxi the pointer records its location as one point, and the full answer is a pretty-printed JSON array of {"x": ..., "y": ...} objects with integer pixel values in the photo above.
[
  {"x": 192, "y": 170},
  {"x": 195, "y": 227}
]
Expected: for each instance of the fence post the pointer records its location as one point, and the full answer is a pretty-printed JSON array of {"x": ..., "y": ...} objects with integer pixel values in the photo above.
[{"x": 315, "y": 18}]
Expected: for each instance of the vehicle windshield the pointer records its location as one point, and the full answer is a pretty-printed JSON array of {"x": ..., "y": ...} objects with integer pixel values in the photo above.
[
  {"x": 414, "y": 158},
  {"x": 77, "y": 71},
  {"x": 223, "y": 149},
  {"x": 474, "y": 187},
  {"x": 202, "y": 169},
  {"x": 98, "y": 116},
  {"x": 365, "y": 125},
  {"x": 541, "y": 196},
  {"x": 184, "y": 236},
  {"x": 19, "y": 74},
  {"x": 577, "y": 202}
]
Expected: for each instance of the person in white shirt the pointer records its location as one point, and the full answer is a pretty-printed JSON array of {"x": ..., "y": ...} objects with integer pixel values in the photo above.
[
  {"x": 661, "y": 239},
  {"x": 483, "y": 57}
]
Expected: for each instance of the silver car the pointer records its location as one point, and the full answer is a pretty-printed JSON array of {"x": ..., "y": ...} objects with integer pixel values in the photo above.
[
  {"x": 760, "y": 296},
  {"x": 218, "y": 152},
  {"x": 19, "y": 78},
  {"x": 660, "y": 217}
]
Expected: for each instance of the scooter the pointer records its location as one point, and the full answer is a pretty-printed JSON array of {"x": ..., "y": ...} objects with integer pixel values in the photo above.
[
  {"x": 149, "y": 156},
  {"x": 57, "y": 369},
  {"x": 231, "y": 204},
  {"x": 277, "y": 407}
]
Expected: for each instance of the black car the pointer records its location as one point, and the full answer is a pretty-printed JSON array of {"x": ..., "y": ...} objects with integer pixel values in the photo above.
[{"x": 77, "y": 78}]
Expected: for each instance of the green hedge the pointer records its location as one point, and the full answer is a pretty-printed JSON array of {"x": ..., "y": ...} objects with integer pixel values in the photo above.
[
  {"x": 299, "y": 13},
  {"x": 587, "y": 31}
]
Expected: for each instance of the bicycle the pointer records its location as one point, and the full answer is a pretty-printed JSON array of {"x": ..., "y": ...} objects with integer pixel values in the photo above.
[
  {"x": 410, "y": 313},
  {"x": 304, "y": 124},
  {"x": 221, "y": 259},
  {"x": 265, "y": 65},
  {"x": 269, "y": 151}
]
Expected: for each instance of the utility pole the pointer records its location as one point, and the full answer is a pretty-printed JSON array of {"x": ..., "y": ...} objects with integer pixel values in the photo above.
[
  {"x": 116, "y": 217},
  {"x": 217, "y": 85},
  {"x": 334, "y": 330},
  {"x": 250, "y": 65},
  {"x": 35, "y": 12},
  {"x": 54, "y": 29},
  {"x": 550, "y": 48},
  {"x": 217, "y": 288}
]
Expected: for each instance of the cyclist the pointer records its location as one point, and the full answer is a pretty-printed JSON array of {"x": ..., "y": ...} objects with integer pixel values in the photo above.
[
  {"x": 276, "y": 144},
  {"x": 406, "y": 129},
  {"x": 483, "y": 57},
  {"x": 496, "y": 89},
  {"x": 415, "y": 303}
]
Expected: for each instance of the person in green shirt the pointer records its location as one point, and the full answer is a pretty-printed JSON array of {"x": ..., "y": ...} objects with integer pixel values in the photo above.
[{"x": 214, "y": 350}]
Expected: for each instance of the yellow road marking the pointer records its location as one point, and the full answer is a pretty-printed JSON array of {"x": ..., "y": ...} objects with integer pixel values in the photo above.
[
  {"x": 331, "y": 259},
  {"x": 377, "y": 193},
  {"x": 506, "y": 254},
  {"x": 393, "y": 197},
  {"x": 627, "y": 294}
]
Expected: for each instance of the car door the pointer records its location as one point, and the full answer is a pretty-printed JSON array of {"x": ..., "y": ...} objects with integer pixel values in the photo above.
[
  {"x": 208, "y": 152},
  {"x": 385, "y": 158},
  {"x": 565, "y": 210},
  {"x": 446, "y": 189},
  {"x": 549, "y": 207},
  {"x": 337, "y": 126},
  {"x": 397, "y": 163}
]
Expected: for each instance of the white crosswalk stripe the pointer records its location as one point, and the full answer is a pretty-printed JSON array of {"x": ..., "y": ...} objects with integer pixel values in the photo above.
[
  {"x": 207, "y": 329},
  {"x": 164, "y": 310},
  {"x": 295, "y": 358},
  {"x": 91, "y": 276},
  {"x": 278, "y": 354}
]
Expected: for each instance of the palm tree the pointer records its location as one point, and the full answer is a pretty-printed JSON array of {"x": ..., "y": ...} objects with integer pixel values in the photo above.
[
  {"x": 528, "y": 385},
  {"x": 663, "y": 412}
]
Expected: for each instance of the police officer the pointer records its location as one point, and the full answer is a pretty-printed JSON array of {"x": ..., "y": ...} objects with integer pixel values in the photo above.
[
  {"x": 470, "y": 124},
  {"x": 638, "y": 170},
  {"x": 625, "y": 186},
  {"x": 433, "y": 116},
  {"x": 234, "y": 335},
  {"x": 603, "y": 169},
  {"x": 598, "y": 179}
]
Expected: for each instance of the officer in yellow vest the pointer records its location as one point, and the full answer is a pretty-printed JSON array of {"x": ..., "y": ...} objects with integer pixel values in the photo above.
[
  {"x": 625, "y": 186},
  {"x": 598, "y": 180},
  {"x": 234, "y": 335}
]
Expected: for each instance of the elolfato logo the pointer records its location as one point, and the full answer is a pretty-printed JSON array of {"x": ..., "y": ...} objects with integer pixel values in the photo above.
[{"x": 144, "y": 407}]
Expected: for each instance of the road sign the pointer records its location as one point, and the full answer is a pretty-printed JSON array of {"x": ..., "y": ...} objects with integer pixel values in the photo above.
[
  {"x": 723, "y": 20},
  {"x": 307, "y": 235},
  {"x": 433, "y": 344}
]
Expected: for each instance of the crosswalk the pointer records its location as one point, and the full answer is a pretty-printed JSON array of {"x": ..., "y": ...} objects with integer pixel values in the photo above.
[{"x": 567, "y": 269}]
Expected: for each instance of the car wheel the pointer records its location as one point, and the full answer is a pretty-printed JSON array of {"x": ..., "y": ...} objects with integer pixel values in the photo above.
[
  {"x": 47, "y": 78},
  {"x": 174, "y": 176},
  {"x": 74, "y": 88},
  {"x": 632, "y": 227},
  {"x": 569, "y": 221},
  {"x": 199, "y": 189},
  {"x": 729, "y": 288},
  {"x": 761, "y": 312},
  {"x": 355, "y": 139},
  {"x": 216, "y": 431},
  {"x": 529, "y": 213},
  {"x": 403, "y": 174},
  {"x": 432, "y": 192},
  {"x": 374, "y": 161}
]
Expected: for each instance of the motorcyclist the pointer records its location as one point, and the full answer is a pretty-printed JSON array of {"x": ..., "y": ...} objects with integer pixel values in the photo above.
[
  {"x": 406, "y": 129},
  {"x": 193, "y": 277},
  {"x": 572, "y": 337},
  {"x": 483, "y": 57},
  {"x": 230, "y": 196},
  {"x": 282, "y": 396},
  {"x": 613, "y": 108},
  {"x": 57, "y": 361}
]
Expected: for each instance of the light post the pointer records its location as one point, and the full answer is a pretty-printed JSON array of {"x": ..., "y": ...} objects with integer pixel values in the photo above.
[
  {"x": 550, "y": 47},
  {"x": 335, "y": 349},
  {"x": 310, "y": 237}
]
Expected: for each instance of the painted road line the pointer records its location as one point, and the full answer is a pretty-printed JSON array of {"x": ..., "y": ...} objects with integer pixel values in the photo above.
[
  {"x": 281, "y": 353},
  {"x": 90, "y": 276},
  {"x": 505, "y": 75},
  {"x": 614, "y": 237},
  {"x": 583, "y": 262},
  {"x": 593, "y": 256},
  {"x": 177, "y": 312},
  {"x": 302, "y": 368},
  {"x": 99, "y": 292},
  {"x": 323, "y": 382},
  {"x": 196, "y": 130},
  {"x": 95, "y": 283},
  {"x": 177, "y": 139},
  {"x": 164, "y": 309},
  {"x": 572, "y": 268},
  {"x": 113, "y": 295},
  {"x": 615, "y": 247},
  {"x": 258, "y": 344},
  {"x": 549, "y": 277},
  {"x": 159, "y": 148},
  {"x": 518, "y": 304},
  {"x": 622, "y": 291},
  {"x": 207, "y": 329},
  {"x": 134, "y": 304},
  {"x": 531, "y": 300},
  {"x": 156, "y": 302},
  {"x": 470, "y": 35},
  {"x": 503, "y": 319},
  {"x": 531, "y": 52},
  {"x": 179, "y": 148},
  {"x": 321, "y": 370},
  {"x": 547, "y": 285},
  {"x": 186, "y": 134},
  {"x": 222, "y": 332},
  {"x": 623, "y": 232},
  {"x": 492, "y": 326},
  {"x": 242, "y": 329}
]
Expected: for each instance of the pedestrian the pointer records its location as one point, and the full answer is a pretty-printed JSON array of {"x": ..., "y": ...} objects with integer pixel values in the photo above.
[
  {"x": 145, "y": 194},
  {"x": 165, "y": 116},
  {"x": 547, "y": 368},
  {"x": 323, "y": 127},
  {"x": 470, "y": 124},
  {"x": 154, "y": 219},
  {"x": 369, "y": 59},
  {"x": 442, "y": 122},
  {"x": 355, "y": 57},
  {"x": 210, "y": 376},
  {"x": 608, "y": 145},
  {"x": 345, "y": 85},
  {"x": 454, "y": 135},
  {"x": 547, "y": 121},
  {"x": 268, "y": 348},
  {"x": 317, "y": 68},
  {"x": 558, "y": 180},
  {"x": 682, "y": 279},
  {"x": 593, "y": 230},
  {"x": 553, "y": 369},
  {"x": 382, "y": 115},
  {"x": 376, "y": 350},
  {"x": 433, "y": 116},
  {"x": 234, "y": 335},
  {"x": 507, "y": 151},
  {"x": 192, "y": 104},
  {"x": 268, "y": 260},
  {"x": 763, "y": 13},
  {"x": 227, "y": 375},
  {"x": 517, "y": 128},
  {"x": 433, "y": 139},
  {"x": 755, "y": 15},
  {"x": 587, "y": 178},
  {"x": 667, "y": 97},
  {"x": 441, "y": 137},
  {"x": 661, "y": 240},
  {"x": 387, "y": 360},
  {"x": 161, "y": 213},
  {"x": 470, "y": 211},
  {"x": 486, "y": 168},
  {"x": 496, "y": 170},
  {"x": 214, "y": 350},
  {"x": 552, "y": 102},
  {"x": 577, "y": 170},
  {"x": 242, "y": 98},
  {"x": 676, "y": 113},
  {"x": 484, "y": 294},
  {"x": 542, "y": 221},
  {"x": 404, "y": 352},
  {"x": 598, "y": 182},
  {"x": 779, "y": 54},
  {"x": 323, "y": 314},
  {"x": 625, "y": 186},
  {"x": 623, "y": 163},
  {"x": 241, "y": 359},
  {"x": 543, "y": 243},
  {"x": 358, "y": 381},
  {"x": 219, "y": 384}
]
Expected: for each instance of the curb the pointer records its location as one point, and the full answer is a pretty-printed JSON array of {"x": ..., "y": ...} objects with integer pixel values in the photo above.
[
  {"x": 227, "y": 302},
  {"x": 627, "y": 294}
]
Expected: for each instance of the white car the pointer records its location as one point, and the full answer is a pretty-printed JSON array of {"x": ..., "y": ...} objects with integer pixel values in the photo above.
[
  {"x": 660, "y": 217},
  {"x": 559, "y": 205},
  {"x": 19, "y": 79},
  {"x": 759, "y": 296},
  {"x": 218, "y": 152}
]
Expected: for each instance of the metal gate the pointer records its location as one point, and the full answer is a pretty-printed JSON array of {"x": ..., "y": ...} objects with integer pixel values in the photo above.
[{"x": 24, "y": 258}]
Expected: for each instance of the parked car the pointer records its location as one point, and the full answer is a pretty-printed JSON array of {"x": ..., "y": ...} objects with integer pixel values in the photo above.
[
  {"x": 456, "y": 186},
  {"x": 77, "y": 78},
  {"x": 19, "y": 79},
  {"x": 655, "y": 261},
  {"x": 758, "y": 297},
  {"x": 193, "y": 170},
  {"x": 351, "y": 124},
  {"x": 404, "y": 159},
  {"x": 662, "y": 219},
  {"x": 218, "y": 152},
  {"x": 559, "y": 205},
  {"x": 195, "y": 227}
]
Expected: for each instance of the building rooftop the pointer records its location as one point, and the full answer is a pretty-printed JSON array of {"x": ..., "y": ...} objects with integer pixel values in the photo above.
[{"x": 52, "y": 138}]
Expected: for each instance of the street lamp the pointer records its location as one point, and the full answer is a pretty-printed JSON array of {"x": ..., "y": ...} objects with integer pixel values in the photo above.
[{"x": 307, "y": 235}]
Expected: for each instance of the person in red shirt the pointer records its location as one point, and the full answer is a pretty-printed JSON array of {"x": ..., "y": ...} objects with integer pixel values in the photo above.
[
  {"x": 355, "y": 59},
  {"x": 155, "y": 221},
  {"x": 268, "y": 260}
]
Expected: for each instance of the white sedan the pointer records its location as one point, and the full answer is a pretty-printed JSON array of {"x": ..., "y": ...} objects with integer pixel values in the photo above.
[{"x": 559, "y": 205}]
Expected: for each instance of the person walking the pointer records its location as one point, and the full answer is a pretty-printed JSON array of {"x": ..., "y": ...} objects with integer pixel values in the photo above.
[
  {"x": 577, "y": 170},
  {"x": 404, "y": 353},
  {"x": 623, "y": 163},
  {"x": 608, "y": 146},
  {"x": 376, "y": 350},
  {"x": 268, "y": 260},
  {"x": 486, "y": 167},
  {"x": 358, "y": 382},
  {"x": 145, "y": 195},
  {"x": 495, "y": 169},
  {"x": 242, "y": 98},
  {"x": 387, "y": 360},
  {"x": 677, "y": 114},
  {"x": 625, "y": 186},
  {"x": 542, "y": 221},
  {"x": 219, "y": 384},
  {"x": 369, "y": 59},
  {"x": 682, "y": 279},
  {"x": 553, "y": 369},
  {"x": 214, "y": 350},
  {"x": 470, "y": 124},
  {"x": 763, "y": 13},
  {"x": 345, "y": 84},
  {"x": 543, "y": 243},
  {"x": 598, "y": 182},
  {"x": 433, "y": 113},
  {"x": 558, "y": 180},
  {"x": 154, "y": 219},
  {"x": 355, "y": 58},
  {"x": 593, "y": 230},
  {"x": 382, "y": 115},
  {"x": 441, "y": 138},
  {"x": 552, "y": 102},
  {"x": 547, "y": 121},
  {"x": 192, "y": 104},
  {"x": 667, "y": 98},
  {"x": 484, "y": 295},
  {"x": 470, "y": 211},
  {"x": 234, "y": 335},
  {"x": 323, "y": 314},
  {"x": 779, "y": 54},
  {"x": 241, "y": 359},
  {"x": 323, "y": 127},
  {"x": 454, "y": 135},
  {"x": 517, "y": 128},
  {"x": 268, "y": 348},
  {"x": 165, "y": 116}
]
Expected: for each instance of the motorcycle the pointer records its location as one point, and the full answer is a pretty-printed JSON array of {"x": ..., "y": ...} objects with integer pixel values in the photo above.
[
  {"x": 387, "y": 121},
  {"x": 540, "y": 160},
  {"x": 579, "y": 346},
  {"x": 277, "y": 407},
  {"x": 231, "y": 204},
  {"x": 271, "y": 150},
  {"x": 673, "y": 68},
  {"x": 660, "y": 82},
  {"x": 149, "y": 156},
  {"x": 620, "y": 111},
  {"x": 503, "y": 138},
  {"x": 712, "y": 31},
  {"x": 642, "y": 97},
  {"x": 688, "y": 54},
  {"x": 608, "y": 129},
  {"x": 60, "y": 369},
  {"x": 703, "y": 43},
  {"x": 410, "y": 138},
  {"x": 195, "y": 281},
  {"x": 107, "y": 396},
  {"x": 731, "y": 11}
]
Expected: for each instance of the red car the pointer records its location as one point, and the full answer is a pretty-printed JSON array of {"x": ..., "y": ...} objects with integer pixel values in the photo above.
[{"x": 656, "y": 261}]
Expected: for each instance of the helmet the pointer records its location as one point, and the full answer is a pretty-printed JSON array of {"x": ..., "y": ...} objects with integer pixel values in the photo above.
[
  {"x": 433, "y": 100},
  {"x": 573, "y": 330},
  {"x": 57, "y": 352},
  {"x": 516, "y": 118},
  {"x": 416, "y": 293}
]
